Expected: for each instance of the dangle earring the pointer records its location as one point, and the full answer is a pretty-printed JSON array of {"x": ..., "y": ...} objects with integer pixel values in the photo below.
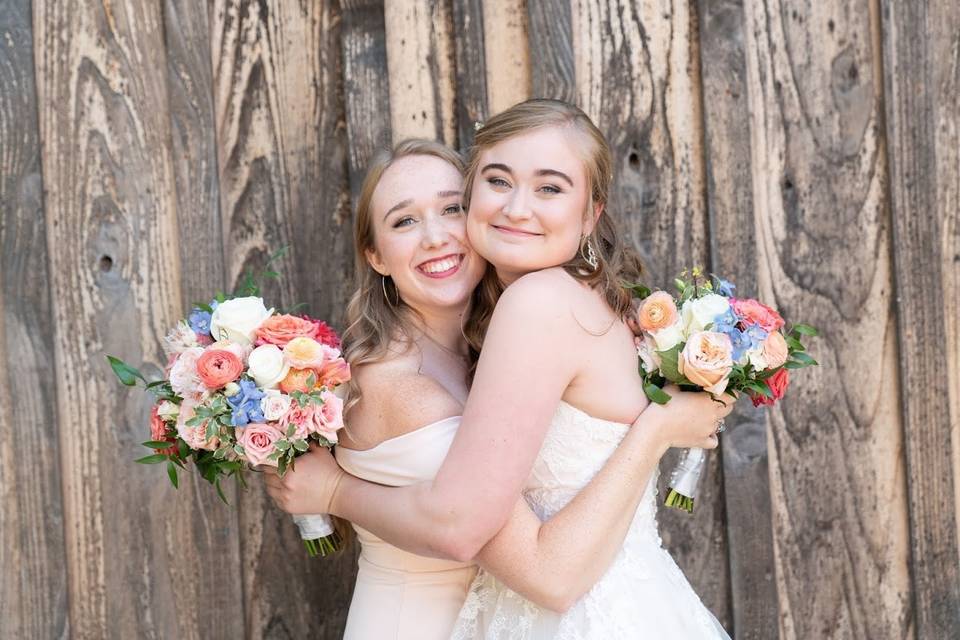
[
  {"x": 591, "y": 255},
  {"x": 390, "y": 303}
]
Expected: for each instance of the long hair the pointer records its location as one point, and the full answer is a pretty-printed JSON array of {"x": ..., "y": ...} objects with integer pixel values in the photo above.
[
  {"x": 616, "y": 262},
  {"x": 376, "y": 314}
]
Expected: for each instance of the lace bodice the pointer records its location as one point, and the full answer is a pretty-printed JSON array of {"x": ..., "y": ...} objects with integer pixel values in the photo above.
[{"x": 643, "y": 594}]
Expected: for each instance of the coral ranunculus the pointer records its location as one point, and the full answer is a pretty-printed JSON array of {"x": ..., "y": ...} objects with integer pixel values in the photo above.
[
  {"x": 658, "y": 311},
  {"x": 279, "y": 330},
  {"x": 753, "y": 312},
  {"x": 335, "y": 372},
  {"x": 217, "y": 367},
  {"x": 158, "y": 431}
]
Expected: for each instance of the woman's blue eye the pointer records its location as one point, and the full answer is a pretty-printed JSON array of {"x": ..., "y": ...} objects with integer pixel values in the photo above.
[
  {"x": 402, "y": 222},
  {"x": 549, "y": 188},
  {"x": 498, "y": 182},
  {"x": 454, "y": 208}
]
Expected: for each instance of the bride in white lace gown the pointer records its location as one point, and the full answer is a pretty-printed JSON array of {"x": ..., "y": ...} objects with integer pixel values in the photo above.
[{"x": 642, "y": 595}]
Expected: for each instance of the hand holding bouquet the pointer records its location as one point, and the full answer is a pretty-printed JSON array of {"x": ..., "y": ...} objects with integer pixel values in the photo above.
[
  {"x": 707, "y": 339},
  {"x": 245, "y": 386}
]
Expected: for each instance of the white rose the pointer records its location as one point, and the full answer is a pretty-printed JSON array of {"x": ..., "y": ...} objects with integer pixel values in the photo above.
[
  {"x": 238, "y": 319},
  {"x": 168, "y": 411},
  {"x": 668, "y": 337},
  {"x": 698, "y": 313},
  {"x": 266, "y": 366},
  {"x": 647, "y": 350},
  {"x": 274, "y": 404},
  {"x": 755, "y": 357}
]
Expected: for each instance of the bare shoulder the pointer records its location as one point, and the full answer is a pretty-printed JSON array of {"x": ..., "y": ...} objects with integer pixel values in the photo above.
[
  {"x": 540, "y": 294},
  {"x": 395, "y": 399}
]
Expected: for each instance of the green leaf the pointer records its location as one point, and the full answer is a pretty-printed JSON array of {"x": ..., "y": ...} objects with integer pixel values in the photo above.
[
  {"x": 127, "y": 374},
  {"x": 156, "y": 458},
  {"x": 281, "y": 467},
  {"x": 793, "y": 343},
  {"x": 216, "y": 483},
  {"x": 792, "y": 364},
  {"x": 282, "y": 445},
  {"x": 239, "y": 450},
  {"x": 669, "y": 364},
  {"x": 300, "y": 445},
  {"x": 203, "y": 307},
  {"x": 172, "y": 474},
  {"x": 156, "y": 444},
  {"x": 804, "y": 359},
  {"x": 656, "y": 394},
  {"x": 805, "y": 329}
]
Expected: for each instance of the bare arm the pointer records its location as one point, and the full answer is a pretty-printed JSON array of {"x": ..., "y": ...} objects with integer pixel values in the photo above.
[
  {"x": 520, "y": 380},
  {"x": 555, "y": 562}
]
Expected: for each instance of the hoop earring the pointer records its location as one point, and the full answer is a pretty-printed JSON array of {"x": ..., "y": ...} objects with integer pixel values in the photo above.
[
  {"x": 591, "y": 256},
  {"x": 390, "y": 303}
]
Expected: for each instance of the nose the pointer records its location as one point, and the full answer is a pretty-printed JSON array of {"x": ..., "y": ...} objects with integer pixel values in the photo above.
[
  {"x": 435, "y": 234},
  {"x": 517, "y": 207}
]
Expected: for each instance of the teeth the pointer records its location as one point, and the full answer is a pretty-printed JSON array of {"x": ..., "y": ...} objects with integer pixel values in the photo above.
[{"x": 441, "y": 266}]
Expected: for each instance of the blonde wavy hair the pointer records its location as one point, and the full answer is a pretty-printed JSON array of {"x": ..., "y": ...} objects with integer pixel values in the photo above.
[
  {"x": 617, "y": 263},
  {"x": 376, "y": 314}
]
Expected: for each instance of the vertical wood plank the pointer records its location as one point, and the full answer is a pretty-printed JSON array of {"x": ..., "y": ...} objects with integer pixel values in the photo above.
[
  {"x": 823, "y": 248},
  {"x": 471, "y": 69},
  {"x": 420, "y": 63},
  {"x": 922, "y": 81},
  {"x": 637, "y": 76},
  {"x": 733, "y": 239},
  {"x": 366, "y": 95},
  {"x": 111, "y": 233},
  {"x": 213, "y": 527},
  {"x": 33, "y": 590},
  {"x": 507, "y": 53},
  {"x": 283, "y": 180},
  {"x": 551, "y": 43}
]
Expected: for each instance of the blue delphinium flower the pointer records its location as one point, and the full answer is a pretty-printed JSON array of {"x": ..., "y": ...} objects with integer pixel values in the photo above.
[
  {"x": 246, "y": 404},
  {"x": 199, "y": 319},
  {"x": 743, "y": 340},
  {"x": 725, "y": 287}
]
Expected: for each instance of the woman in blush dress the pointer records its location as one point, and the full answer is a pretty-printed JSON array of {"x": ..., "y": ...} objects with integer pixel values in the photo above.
[{"x": 548, "y": 418}]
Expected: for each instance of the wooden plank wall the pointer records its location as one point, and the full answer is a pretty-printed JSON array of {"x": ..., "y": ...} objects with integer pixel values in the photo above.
[{"x": 150, "y": 153}]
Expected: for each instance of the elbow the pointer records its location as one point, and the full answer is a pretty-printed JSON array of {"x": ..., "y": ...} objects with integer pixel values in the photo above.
[
  {"x": 559, "y": 600},
  {"x": 461, "y": 543}
]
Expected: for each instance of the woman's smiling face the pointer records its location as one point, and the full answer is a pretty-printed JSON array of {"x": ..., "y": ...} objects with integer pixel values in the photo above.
[
  {"x": 528, "y": 206},
  {"x": 419, "y": 231}
]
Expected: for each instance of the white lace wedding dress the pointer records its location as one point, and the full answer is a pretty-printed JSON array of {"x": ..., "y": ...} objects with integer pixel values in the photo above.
[{"x": 642, "y": 595}]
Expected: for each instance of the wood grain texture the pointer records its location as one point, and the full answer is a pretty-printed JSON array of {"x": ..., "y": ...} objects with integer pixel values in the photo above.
[
  {"x": 551, "y": 44},
  {"x": 507, "y": 53},
  {"x": 471, "y": 70},
  {"x": 638, "y": 78},
  {"x": 111, "y": 234},
  {"x": 283, "y": 180},
  {"x": 732, "y": 255},
  {"x": 823, "y": 248},
  {"x": 213, "y": 527},
  {"x": 366, "y": 91},
  {"x": 33, "y": 590},
  {"x": 421, "y": 66},
  {"x": 922, "y": 83}
]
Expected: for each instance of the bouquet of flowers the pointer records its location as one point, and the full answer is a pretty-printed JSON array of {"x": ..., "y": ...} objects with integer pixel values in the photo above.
[
  {"x": 707, "y": 339},
  {"x": 245, "y": 386}
]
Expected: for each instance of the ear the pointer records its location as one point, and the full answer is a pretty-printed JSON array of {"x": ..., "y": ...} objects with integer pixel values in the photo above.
[
  {"x": 374, "y": 260},
  {"x": 591, "y": 222}
]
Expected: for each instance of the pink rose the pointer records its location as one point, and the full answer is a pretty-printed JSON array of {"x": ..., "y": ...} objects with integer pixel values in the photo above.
[
  {"x": 194, "y": 436},
  {"x": 706, "y": 360},
  {"x": 305, "y": 419},
  {"x": 775, "y": 350},
  {"x": 331, "y": 416},
  {"x": 753, "y": 312},
  {"x": 257, "y": 440},
  {"x": 281, "y": 329}
]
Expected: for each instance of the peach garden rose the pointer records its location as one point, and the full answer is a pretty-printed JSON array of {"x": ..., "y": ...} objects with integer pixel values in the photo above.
[{"x": 706, "y": 360}]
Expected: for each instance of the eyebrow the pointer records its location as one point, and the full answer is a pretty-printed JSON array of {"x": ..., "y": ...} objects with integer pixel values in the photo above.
[
  {"x": 539, "y": 172},
  {"x": 409, "y": 201}
]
